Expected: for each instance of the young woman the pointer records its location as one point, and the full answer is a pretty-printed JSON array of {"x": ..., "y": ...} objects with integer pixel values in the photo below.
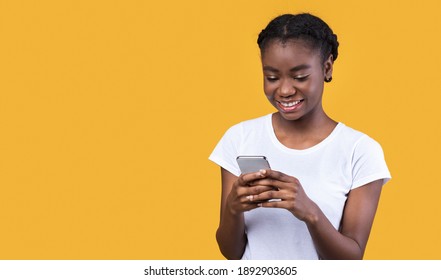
[{"x": 319, "y": 199}]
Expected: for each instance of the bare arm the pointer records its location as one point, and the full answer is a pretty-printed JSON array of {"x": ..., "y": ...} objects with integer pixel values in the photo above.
[
  {"x": 230, "y": 235},
  {"x": 358, "y": 217},
  {"x": 236, "y": 191}
]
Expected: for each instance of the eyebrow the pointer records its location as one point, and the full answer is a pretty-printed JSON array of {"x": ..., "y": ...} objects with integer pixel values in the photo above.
[{"x": 294, "y": 69}]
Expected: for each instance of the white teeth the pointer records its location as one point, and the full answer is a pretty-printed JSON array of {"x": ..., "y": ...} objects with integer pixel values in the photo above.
[{"x": 289, "y": 104}]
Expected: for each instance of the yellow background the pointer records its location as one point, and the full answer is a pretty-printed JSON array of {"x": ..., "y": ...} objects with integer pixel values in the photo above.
[{"x": 109, "y": 110}]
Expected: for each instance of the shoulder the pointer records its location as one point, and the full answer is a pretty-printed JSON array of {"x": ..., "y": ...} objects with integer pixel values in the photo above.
[
  {"x": 235, "y": 135},
  {"x": 356, "y": 139},
  {"x": 366, "y": 157},
  {"x": 351, "y": 133},
  {"x": 234, "y": 140}
]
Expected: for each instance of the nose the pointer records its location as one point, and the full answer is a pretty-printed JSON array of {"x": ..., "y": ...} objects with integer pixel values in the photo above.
[{"x": 287, "y": 88}]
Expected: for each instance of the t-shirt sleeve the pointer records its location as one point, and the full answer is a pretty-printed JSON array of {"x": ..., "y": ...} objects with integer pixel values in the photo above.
[
  {"x": 368, "y": 163},
  {"x": 226, "y": 151}
]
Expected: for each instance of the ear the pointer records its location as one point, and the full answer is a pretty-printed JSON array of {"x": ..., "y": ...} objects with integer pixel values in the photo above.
[{"x": 328, "y": 67}]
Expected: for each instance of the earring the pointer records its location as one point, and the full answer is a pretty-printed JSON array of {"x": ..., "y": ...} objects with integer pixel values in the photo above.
[{"x": 328, "y": 79}]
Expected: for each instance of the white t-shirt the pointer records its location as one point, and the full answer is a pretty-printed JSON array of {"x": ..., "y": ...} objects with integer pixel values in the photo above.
[{"x": 343, "y": 161}]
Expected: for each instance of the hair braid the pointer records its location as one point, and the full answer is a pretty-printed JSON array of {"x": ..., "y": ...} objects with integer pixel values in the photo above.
[{"x": 304, "y": 26}]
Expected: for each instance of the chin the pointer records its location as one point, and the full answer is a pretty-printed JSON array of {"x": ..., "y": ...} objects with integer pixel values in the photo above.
[{"x": 290, "y": 116}]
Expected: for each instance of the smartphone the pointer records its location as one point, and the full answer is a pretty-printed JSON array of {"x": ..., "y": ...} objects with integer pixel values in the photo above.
[{"x": 248, "y": 164}]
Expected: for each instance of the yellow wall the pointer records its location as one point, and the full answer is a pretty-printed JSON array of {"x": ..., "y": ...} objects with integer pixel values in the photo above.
[{"x": 109, "y": 110}]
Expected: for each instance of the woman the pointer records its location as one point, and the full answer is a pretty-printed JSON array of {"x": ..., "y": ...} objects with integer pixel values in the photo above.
[{"x": 319, "y": 199}]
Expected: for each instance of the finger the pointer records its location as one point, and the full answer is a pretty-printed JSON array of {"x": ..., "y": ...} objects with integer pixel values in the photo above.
[
  {"x": 268, "y": 195},
  {"x": 241, "y": 181},
  {"x": 250, "y": 177},
  {"x": 251, "y": 199},
  {"x": 244, "y": 191},
  {"x": 278, "y": 185},
  {"x": 273, "y": 204},
  {"x": 253, "y": 190},
  {"x": 249, "y": 206},
  {"x": 268, "y": 182},
  {"x": 278, "y": 176},
  {"x": 252, "y": 206},
  {"x": 247, "y": 199}
]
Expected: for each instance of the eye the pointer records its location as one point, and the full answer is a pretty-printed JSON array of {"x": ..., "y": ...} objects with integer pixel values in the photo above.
[
  {"x": 301, "y": 78},
  {"x": 271, "y": 79}
]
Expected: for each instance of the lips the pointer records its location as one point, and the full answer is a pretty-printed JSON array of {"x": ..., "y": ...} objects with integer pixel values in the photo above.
[{"x": 290, "y": 106}]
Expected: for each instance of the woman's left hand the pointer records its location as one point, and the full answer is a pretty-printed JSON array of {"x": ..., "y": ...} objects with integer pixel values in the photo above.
[{"x": 288, "y": 194}]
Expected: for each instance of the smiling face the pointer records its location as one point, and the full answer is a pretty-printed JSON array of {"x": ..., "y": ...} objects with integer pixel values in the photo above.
[{"x": 294, "y": 75}]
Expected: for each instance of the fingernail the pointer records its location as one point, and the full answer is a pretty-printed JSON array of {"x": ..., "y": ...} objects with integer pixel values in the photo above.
[
  {"x": 259, "y": 204},
  {"x": 262, "y": 171}
]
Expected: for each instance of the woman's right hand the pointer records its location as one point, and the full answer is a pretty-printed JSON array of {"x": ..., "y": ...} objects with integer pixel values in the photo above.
[{"x": 240, "y": 198}]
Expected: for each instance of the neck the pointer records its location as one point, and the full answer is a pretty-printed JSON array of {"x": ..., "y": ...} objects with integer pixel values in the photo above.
[
  {"x": 307, "y": 123},
  {"x": 302, "y": 133}
]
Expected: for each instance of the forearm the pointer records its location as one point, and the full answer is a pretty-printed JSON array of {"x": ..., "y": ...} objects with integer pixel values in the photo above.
[
  {"x": 231, "y": 236},
  {"x": 329, "y": 242}
]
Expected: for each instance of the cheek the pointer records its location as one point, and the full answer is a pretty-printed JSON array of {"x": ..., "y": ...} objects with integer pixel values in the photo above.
[
  {"x": 311, "y": 87},
  {"x": 317, "y": 88},
  {"x": 270, "y": 97},
  {"x": 269, "y": 93},
  {"x": 269, "y": 89}
]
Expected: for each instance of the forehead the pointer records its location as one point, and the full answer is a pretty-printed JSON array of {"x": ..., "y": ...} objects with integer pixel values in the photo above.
[{"x": 290, "y": 52}]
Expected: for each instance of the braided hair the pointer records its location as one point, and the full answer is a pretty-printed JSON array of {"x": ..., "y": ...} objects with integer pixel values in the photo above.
[{"x": 306, "y": 27}]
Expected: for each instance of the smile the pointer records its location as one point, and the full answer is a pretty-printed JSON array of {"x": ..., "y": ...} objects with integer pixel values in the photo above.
[{"x": 289, "y": 106}]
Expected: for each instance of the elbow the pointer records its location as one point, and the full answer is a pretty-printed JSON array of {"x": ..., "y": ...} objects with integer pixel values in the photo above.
[
  {"x": 229, "y": 251},
  {"x": 343, "y": 257},
  {"x": 352, "y": 252}
]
